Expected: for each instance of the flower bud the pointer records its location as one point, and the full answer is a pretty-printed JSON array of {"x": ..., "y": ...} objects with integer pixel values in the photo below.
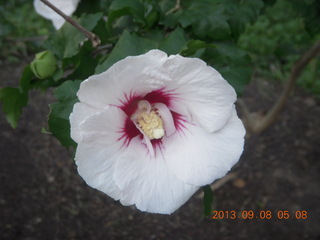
[{"x": 44, "y": 64}]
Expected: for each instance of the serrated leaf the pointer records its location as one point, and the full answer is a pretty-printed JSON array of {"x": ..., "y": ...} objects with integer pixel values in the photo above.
[
  {"x": 173, "y": 43},
  {"x": 242, "y": 13},
  {"x": 207, "y": 200},
  {"x": 219, "y": 20},
  {"x": 193, "y": 46},
  {"x": 214, "y": 26},
  {"x": 13, "y": 101},
  {"x": 127, "y": 45},
  {"x": 66, "y": 42},
  {"x": 133, "y": 45},
  {"x": 67, "y": 91},
  {"x": 207, "y": 18},
  {"x": 59, "y": 124},
  {"x": 124, "y": 7},
  {"x": 233, "y": 64}
]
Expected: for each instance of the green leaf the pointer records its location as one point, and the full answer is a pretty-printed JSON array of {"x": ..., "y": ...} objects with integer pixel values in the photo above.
[
  {"x": 173, "y": 43},
  {"x": 127, "y": 45},
  {"x": 59, "y": 124},
  {"x": 310, "y": 11},
  {"x": 237, "y": 76},
  {"x": 241, "y": 13},
  {"x": 67, "y": 91},
  {"x": 215, "y": 26},
  {"x": 152, "y": 18},
  {"x": 26, "y": 77},
  {"x": 13, "y": 101},
  {"x": 124, "y": 7},
  {"x": 84, "y": 64},
  {"x": 133, "y": 45},
  {"x": 66, "y": 42},
  {"x": 233, "y": 64},
  {"x": 193, "y": 46},
  {"x": 92, "y": 6},
  {"x": 207, "y": 18},
  {"x": 207, "y": 200},
  {"x": 216, "y": 19}
]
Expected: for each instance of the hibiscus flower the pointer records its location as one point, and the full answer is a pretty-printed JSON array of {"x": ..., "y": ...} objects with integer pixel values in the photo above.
[
  {"x": 152, "y": 129},
  {"x": 68, "y": 7}
]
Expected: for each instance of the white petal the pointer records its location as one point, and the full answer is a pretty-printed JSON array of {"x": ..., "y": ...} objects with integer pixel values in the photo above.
[
  {"x": 95, "y": 160},
  {"x": 109, "y": 122},
  {"x": 98, "y": 149},
  {"x": 131, "y": 76},
  {"x": 148, "y": 183},
  {"x": 167, "y": 118},
  {"x": 198, "y": 157},
  {"x": 66, "y": 6},
  {"x": 79, "y": 113},
  {"x": 204, "y": 96},
  {"x": 200, "y": 91}
]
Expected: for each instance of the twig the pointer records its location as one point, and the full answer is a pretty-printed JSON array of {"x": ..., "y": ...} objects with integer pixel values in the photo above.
[
  {"x": 259, "y": 125},
  {"x": 175, "y": 8},
  {"x": 93, "y": 38},
  {"x": 104, "y": 49}
]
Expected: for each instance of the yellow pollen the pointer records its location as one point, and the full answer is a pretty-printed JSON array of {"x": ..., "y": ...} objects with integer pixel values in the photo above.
[{"x": 151, "y": 125}]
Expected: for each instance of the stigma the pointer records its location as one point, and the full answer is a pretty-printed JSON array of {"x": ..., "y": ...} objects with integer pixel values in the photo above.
[
  {"x": 148, "y": 121},
  {"x": 151, "y": 124}
]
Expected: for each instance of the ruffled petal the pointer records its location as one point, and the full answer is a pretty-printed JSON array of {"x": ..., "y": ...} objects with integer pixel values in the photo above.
[
  {"x": 166, "y": 117},
  {"x": 148, "y": 183},
  {"x": 203, "y": 137},
  {"x": 109, "y": 122},
  {"x": 98, "y": 150},
  {"x": 95, "y": 160},
  {"x": 198, "y": 157},
  {"x": 132, "y": 76},
  {"x": 202, "y": 94},
  {"x": 199, "y": 91},
  {"x": 79, "y": 113},
  {"x": 66, "y": 6}
]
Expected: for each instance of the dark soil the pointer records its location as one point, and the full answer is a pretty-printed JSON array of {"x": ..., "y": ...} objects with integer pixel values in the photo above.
[{"x": 43, "y": 197}]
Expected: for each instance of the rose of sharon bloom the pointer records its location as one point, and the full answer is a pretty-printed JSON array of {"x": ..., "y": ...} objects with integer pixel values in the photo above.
[
  {"x": 66, "y": 6},
  {"x": 152, "y": 129}
]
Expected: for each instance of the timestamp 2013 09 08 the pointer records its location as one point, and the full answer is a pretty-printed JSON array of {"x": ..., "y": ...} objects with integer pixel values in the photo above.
[{"x": 262, "y": 214}]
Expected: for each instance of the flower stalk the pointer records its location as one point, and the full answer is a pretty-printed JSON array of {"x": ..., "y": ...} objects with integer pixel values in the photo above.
[{"x": 95, "y": 40}]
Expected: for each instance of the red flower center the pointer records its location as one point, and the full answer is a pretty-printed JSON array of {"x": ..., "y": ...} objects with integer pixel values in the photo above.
[{"x": 130, "y": 106}]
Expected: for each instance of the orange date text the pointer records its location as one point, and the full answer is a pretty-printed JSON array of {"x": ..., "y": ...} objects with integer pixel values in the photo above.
[{"x": 262, "y": 214}]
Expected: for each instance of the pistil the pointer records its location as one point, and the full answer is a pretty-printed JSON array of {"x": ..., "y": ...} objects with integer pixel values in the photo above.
[{"x": 151, "y": 124}]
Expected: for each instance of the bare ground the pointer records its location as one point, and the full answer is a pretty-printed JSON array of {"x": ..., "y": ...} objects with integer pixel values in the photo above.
[{"x": 43, "y": 197}]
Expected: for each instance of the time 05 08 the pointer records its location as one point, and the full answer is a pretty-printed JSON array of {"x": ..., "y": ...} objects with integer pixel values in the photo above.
[{"x": 263, "y": 214}]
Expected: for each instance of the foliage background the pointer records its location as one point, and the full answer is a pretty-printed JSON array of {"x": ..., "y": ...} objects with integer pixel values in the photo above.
[
  {"x": 236, "y": 37},
  {"x": 263, "y": 39}
]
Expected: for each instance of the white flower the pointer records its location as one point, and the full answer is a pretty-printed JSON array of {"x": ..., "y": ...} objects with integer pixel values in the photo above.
[
  {"x": 152, "y": 129},
  {"x": 66, "y": 6}
]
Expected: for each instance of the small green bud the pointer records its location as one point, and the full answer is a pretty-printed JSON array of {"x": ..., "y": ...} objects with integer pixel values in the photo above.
[{"x": 44, "y": 64}]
